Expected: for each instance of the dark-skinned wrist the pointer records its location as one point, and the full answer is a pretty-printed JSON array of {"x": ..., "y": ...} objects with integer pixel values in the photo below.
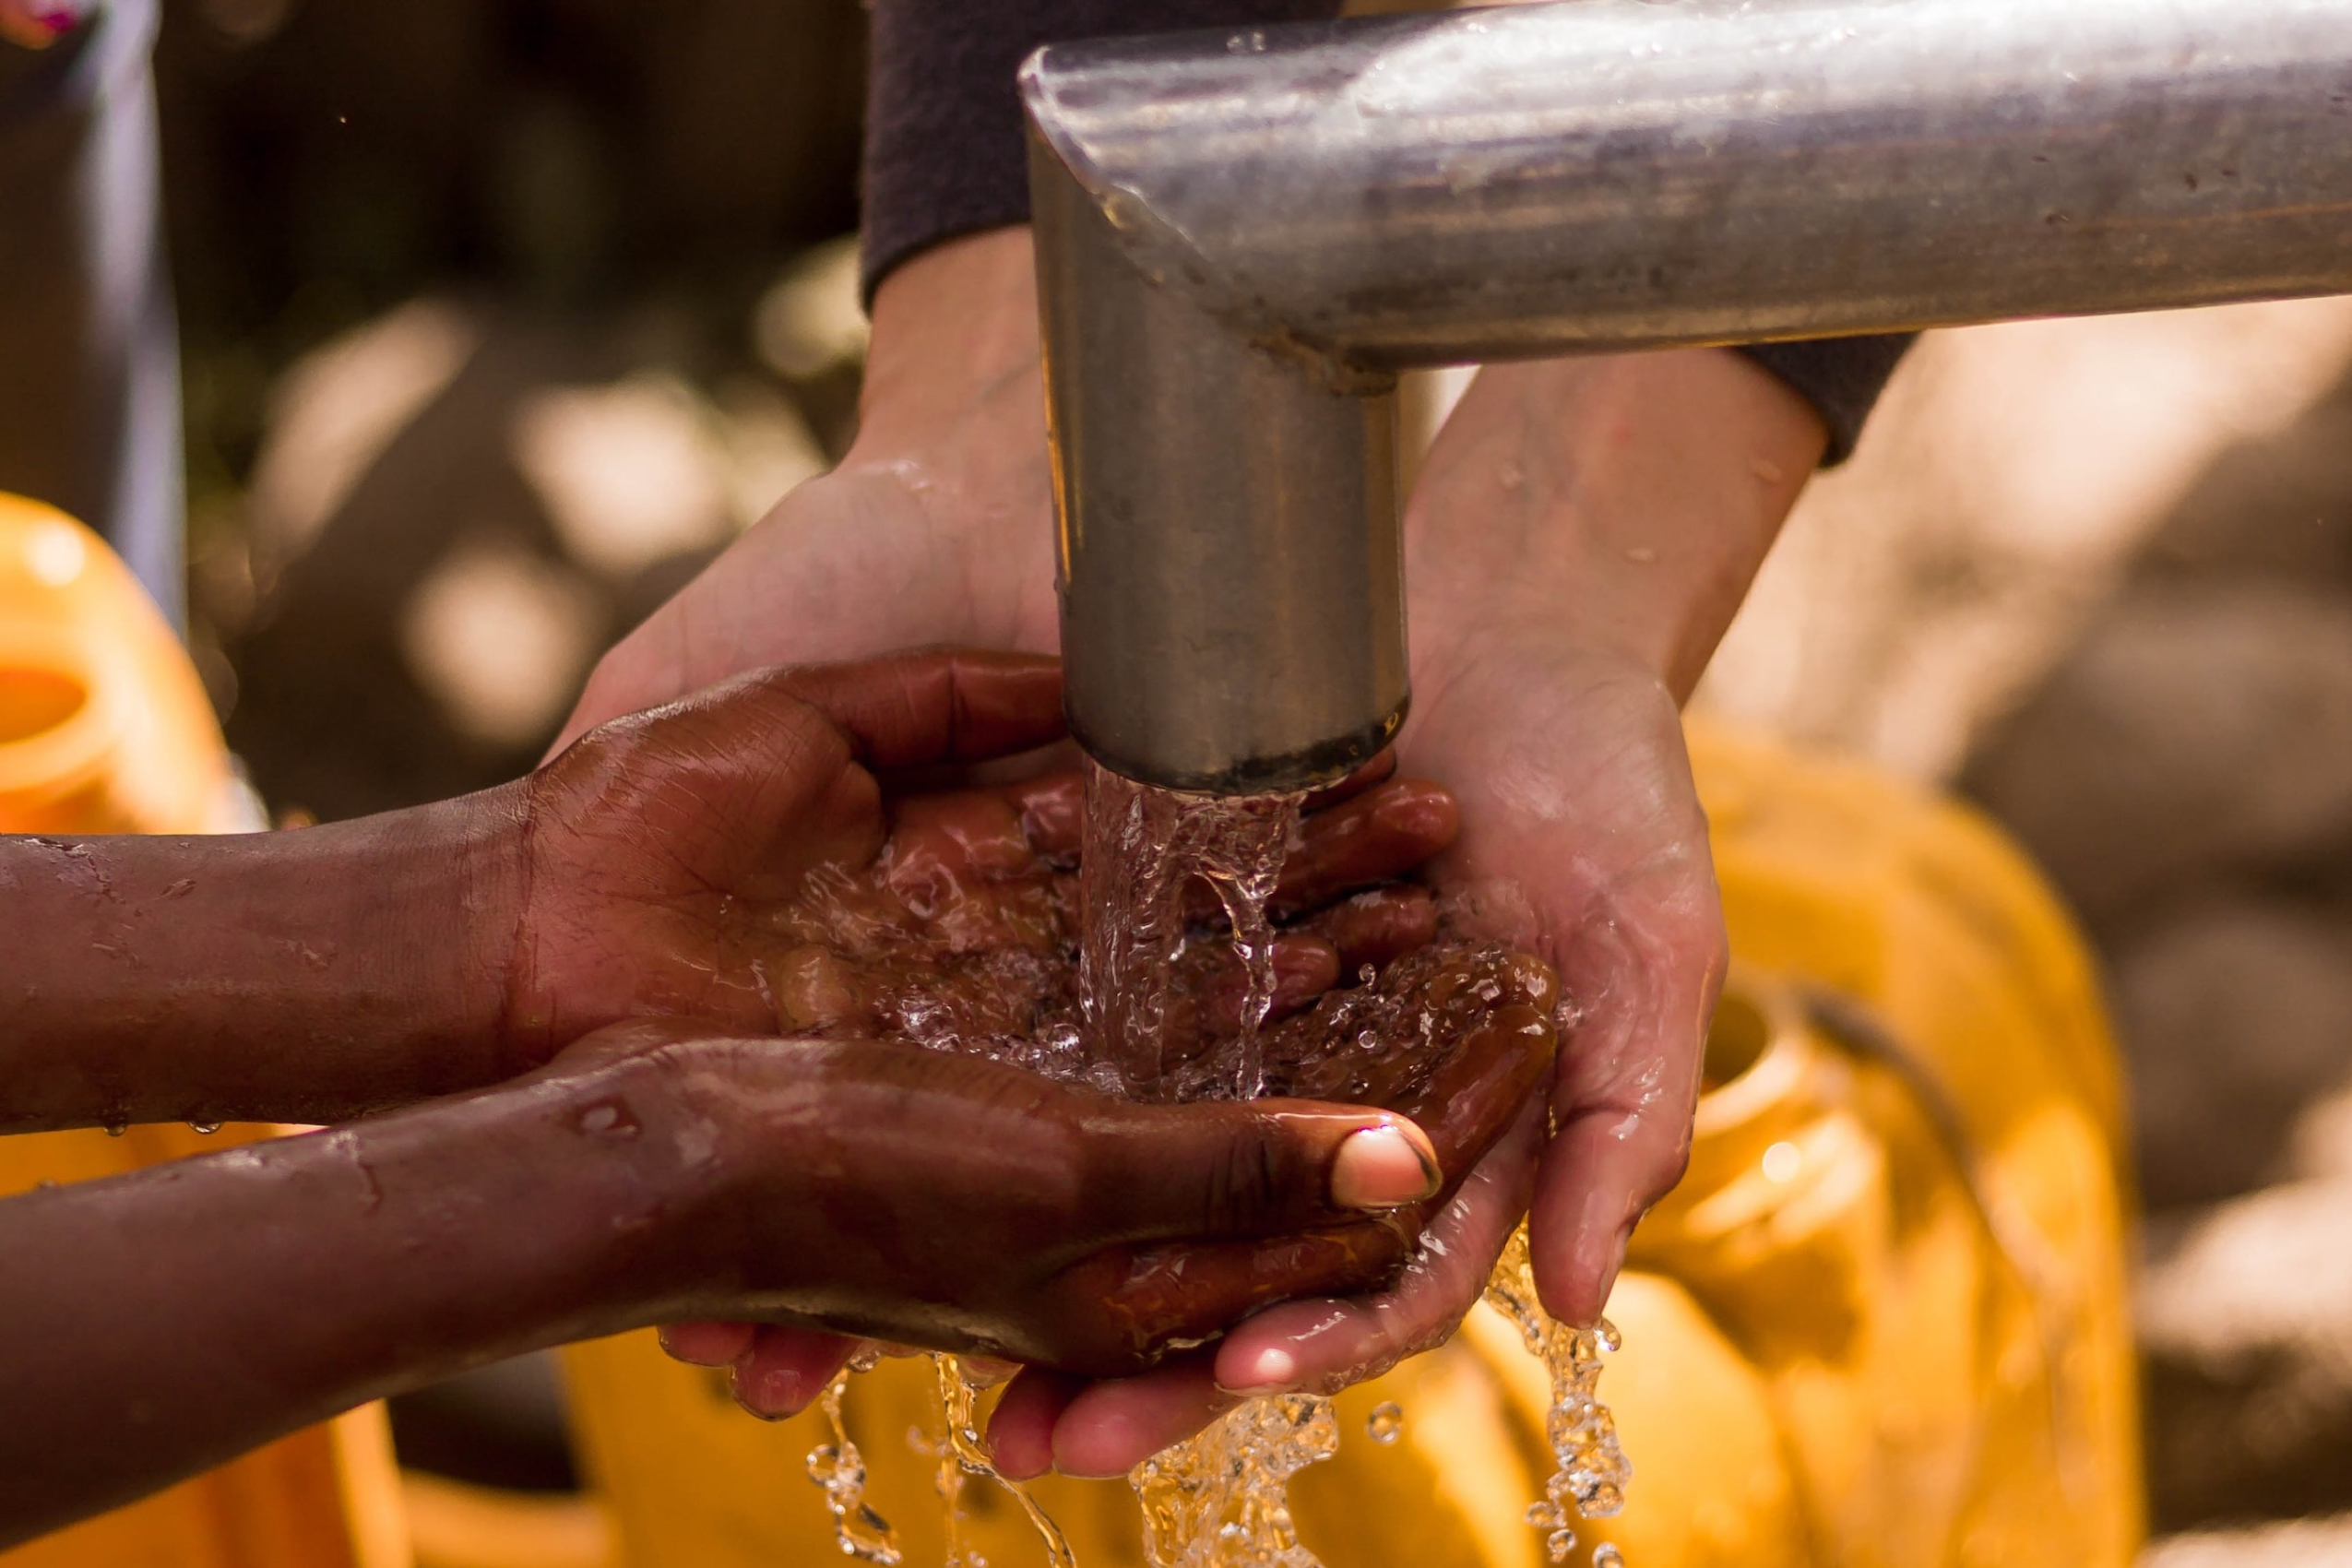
[
  {"x": 413, "y": 1246},
  {"x": 302, "y": 977}
]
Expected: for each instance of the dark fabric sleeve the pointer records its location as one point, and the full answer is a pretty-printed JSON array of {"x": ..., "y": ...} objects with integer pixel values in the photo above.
[
  {"x": 944, "y": 153},
  {"x": 1841, "y": 378}
]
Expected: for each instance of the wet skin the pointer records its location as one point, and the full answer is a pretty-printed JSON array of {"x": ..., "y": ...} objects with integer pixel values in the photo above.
[
  {"x": 964, "y": 934},
  {"x": 659, "y": 868},
  {"x": 167, "y": 1320},
  {"x": 667, "y": 864}
]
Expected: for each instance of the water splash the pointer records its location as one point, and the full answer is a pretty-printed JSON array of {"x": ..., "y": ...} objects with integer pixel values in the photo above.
[
  {"x": 1144, "y": 848},
  {"x": 965, "y": 1455},
  {"x": 1590, "y": 1471},
  {"x": 1221, "y": 1500},
  {"x": 840, "y": 1470}
]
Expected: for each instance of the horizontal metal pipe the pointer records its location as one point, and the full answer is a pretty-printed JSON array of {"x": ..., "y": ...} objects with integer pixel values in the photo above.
[
  {"x": 1241, "y": 237},
  {"x": 1625, "y": 174}
]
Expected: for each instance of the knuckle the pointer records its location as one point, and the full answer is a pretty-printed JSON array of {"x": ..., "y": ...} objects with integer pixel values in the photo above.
[{"x": 1245, "y": 1182}]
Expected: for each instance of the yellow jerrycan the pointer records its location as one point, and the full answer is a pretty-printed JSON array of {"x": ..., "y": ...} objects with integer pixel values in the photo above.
[
  {"x": 1881, "y": 1325},
  {"x": 104, "y": 728}
]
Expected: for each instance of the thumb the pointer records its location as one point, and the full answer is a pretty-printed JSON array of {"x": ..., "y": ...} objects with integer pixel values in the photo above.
[{"x": 1258, "y": 1169}]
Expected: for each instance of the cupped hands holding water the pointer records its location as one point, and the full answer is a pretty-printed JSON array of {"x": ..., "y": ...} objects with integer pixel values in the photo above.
[
  {"x": 1577, "y": 540},
  {"x": 635, "y": 1040}
]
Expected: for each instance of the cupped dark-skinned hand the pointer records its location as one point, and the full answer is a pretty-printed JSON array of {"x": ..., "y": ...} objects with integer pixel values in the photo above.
[
  {"x": 1456, "y": 1036},
  {"x": 740, "y": 857},
  {"x": 653, "y": 1168},
  {"x": 941, "y": 1200},
  {"x": 960, "y": 932}
]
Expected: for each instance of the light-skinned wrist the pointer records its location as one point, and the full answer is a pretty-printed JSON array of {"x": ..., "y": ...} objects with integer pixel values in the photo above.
[{"x": 1621, "y": 503}]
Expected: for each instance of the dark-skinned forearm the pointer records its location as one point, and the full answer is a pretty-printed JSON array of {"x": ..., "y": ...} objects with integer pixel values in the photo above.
[
  {"x": 301, "y": 977},
  {"x": 161, "y": 1322}
]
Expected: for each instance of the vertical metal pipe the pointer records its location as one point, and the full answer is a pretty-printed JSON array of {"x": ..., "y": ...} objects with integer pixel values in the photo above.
[{"x": 1232, "y": 571}]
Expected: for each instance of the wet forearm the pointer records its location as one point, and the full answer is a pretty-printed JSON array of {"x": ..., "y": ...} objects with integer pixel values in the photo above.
[
  {"x": 282, "y": 977},
  {"x": 163, "y": 1322},
  {"x": 1622, "y": 501}
]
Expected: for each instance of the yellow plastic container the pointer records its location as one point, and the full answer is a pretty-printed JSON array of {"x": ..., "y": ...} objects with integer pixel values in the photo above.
[
  {"x": 104, "y": 728},
  {"x": 1882, "y": 1322}
]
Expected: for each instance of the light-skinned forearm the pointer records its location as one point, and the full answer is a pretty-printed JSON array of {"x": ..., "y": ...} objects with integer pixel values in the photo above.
[{"x": 1622, "y": 502}]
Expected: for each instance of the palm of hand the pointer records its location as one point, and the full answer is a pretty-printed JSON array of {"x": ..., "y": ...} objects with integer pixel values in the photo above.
[
  {"x": 1584, "y": 841},
  {"x": 877, "y": 555},
  {"x": 660, "y": 851},
  {"x": 735, "y": 857}
]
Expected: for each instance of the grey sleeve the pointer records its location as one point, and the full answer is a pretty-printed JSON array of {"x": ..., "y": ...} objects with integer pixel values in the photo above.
[{"x": 943, "y": 150}]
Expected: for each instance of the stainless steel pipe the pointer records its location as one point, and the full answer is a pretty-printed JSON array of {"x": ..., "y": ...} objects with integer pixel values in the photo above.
[{"x": 1241, "y": 237}]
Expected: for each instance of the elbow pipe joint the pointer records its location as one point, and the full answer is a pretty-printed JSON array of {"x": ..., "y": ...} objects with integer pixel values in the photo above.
[{"x": 1242, "y": 237}]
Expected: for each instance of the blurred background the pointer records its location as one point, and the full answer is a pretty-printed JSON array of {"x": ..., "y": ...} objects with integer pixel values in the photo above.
[{"x": 501, "y": 316}]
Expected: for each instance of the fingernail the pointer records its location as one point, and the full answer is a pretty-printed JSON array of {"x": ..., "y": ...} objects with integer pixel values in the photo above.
[
  {"x": 1615, "y": 1266},
  {"x": 1600, "y": 1262},
  {"x": 1269, "y": 1371},
  {"x": 1013, "y": 1471},
  {"x": 780, "y": 1396},
  {"x": 1384, "y": 1167}
]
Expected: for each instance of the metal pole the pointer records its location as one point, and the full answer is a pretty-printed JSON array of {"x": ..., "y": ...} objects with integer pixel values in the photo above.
[{"x": 1239, "y": 233}]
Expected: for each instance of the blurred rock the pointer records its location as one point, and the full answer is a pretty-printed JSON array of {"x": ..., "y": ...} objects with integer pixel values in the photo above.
[
  {"x": 1999, "y": 497},
  {"x": 2320, "y": 1149},
  {"x": 457, "y": 508},
  {"x": 810, "y": 322},
  {"x": 2235, "y": 1017},
  {"x": 811, "y": 328},
  {"x": 332, "y": 415},
  {"x": 629, "y": 471},
  {"x": 2246, "y": 1331},
  {"x": 502, "y": 639},
  {"x": 2280, "y": 505},
  {"x": 2301, "y": 1543},
  {"x": 2195, "y": 730}
]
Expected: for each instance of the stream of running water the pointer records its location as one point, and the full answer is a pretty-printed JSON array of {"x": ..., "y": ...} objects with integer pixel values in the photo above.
[{"x": 1219, "y": 1500}]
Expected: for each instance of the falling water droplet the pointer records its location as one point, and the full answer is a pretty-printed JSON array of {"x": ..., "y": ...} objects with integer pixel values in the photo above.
[
  {"x": 116, "y": 1129},
  {"x": 1607, "y": 1556},
  {"x": 840, "y": 1470},
  {"x": 204, "y": 1129},
  {"x": 1384, "y": 1424}
]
